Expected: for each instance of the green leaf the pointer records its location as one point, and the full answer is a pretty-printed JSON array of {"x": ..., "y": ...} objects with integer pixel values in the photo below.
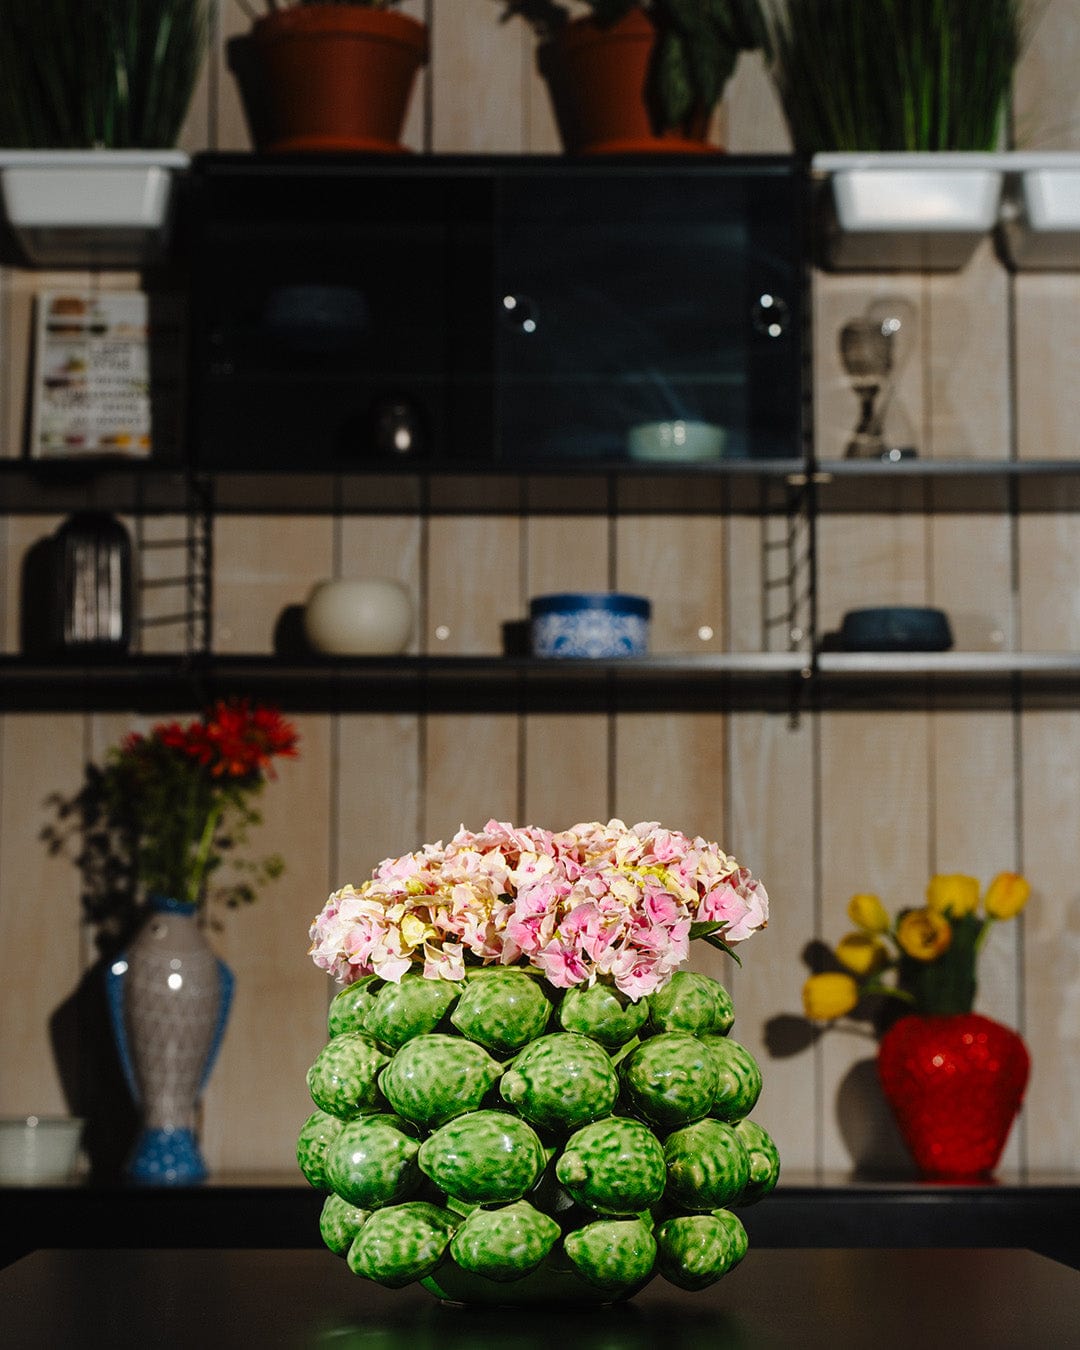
[
  {"x": 722, "y": 946},
  {"x": 674, "y": 90},
  {"x": 895, "y": 74},
  {"x": 742, "y": 22},
  {"x": 607, "y": 12},
  {"x": 117, "y": 73},
  {"x": 709, "y": 932}
]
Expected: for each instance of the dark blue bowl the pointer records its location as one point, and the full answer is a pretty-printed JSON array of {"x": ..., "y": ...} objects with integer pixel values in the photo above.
[{"x": 896, "y": 628}]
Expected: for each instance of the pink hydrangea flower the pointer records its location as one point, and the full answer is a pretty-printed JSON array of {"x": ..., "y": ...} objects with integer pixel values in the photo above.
[{"x": 595, "y": 902}]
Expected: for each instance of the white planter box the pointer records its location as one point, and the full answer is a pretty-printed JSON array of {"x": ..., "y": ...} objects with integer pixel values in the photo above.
[
  {"x": 87, "y": 208},
  {"x": 1040, "y": 217},
  {"x": 911, "y": 211}
]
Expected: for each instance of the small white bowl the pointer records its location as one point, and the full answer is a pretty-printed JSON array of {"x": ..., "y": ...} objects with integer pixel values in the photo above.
[
  {"x": 676, "y": 442},
  {"x": 38, "y": 1150},
  {"x": 372, "y": 617}
]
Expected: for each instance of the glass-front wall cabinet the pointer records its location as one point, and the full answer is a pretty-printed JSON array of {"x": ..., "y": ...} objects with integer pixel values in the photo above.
[
  {"x": 649, "y": 314},
  {"x": 486, "y": 312}
]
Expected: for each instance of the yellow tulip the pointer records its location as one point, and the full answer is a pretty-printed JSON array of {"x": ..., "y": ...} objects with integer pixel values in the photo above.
[
  {"x": 1007, "y": 895},
  {"x": 923, "y": 934},
  {"x": 829, "y": 995},
  {"x": 861, "y": 953},
  {"x": 953, "y": 894},
  {"x": 869, "y": 913}
]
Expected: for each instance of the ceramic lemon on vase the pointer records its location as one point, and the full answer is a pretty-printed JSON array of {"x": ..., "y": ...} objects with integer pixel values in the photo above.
[{"x": 954, "y": 1078}]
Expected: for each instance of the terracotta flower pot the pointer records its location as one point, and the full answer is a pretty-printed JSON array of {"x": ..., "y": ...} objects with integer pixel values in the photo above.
[
  {"x": 328, "y": 77},
  {"x": 598, "y": 79},
  {"x": 955, "y": 1084}
]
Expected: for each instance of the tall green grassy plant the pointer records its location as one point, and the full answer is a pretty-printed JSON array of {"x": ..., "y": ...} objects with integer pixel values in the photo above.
[
  {"x": 84, "y": 73},
  {"x": 895, "y": 74}
]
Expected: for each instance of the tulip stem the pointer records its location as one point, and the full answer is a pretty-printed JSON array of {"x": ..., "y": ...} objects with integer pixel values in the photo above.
[
  {"x": 875, "y": 988},
  {"x": 980, "y": 938}
]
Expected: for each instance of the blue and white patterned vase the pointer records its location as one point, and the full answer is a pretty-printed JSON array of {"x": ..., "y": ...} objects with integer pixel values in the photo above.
[{"x": 169, "y": 998}]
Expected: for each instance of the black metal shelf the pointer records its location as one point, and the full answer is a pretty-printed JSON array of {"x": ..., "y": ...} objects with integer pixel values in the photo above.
[
  {"x": 417, "y": 683},
  {"x": 561, "y": 486},
  {"x": 54, "y": 487},
  {"x": 767, "y": 681},
  {"x": 897, "y": 681},
  {"x": 945, "y": 485}
]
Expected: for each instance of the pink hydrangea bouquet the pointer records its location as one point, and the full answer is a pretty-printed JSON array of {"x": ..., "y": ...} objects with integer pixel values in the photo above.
[{"x": 593, "y": 903}]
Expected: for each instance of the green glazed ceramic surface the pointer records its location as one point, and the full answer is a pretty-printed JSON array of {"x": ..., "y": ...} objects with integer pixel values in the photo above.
[
  {"x": 433, "y": 1078},
  {"x": 504, "y": 1243},
  {"x": 738, "y": 1078},
  {"x": 402, "y": 1243},
  {"x": 372, "y": 1162},
  {"x": 488, "y": 1157},
  {"x": 343, "y": 1081},
  {"x": 398, "y": 1012},
  {"x": 615, "y": 1166},
  {"x": 316, "y": 1135},
  {"x": 613, "y": 1254},
  {"x": 694, "y": 1003},
  {"x": 764, "y": 1160},
  {"x": 707, "y": 1165},
  {"x": 670, "y": 1079},
  {"x": 561, "y": 1082},
  {"x": 348, "y": 1008},
  {"x": 603, "y": 1014},
  {"x": 508, "y": 1143},
  {"x": 694, "y": 1250},
  {"x": 339, "y": 1223},
  {"x": 549, "y": 1285},
  {"x": 502, "y": 1010}
]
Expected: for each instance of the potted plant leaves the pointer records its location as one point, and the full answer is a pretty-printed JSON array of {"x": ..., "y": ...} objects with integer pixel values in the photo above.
[
  {"x": 639, "y": 75},
  {"x": 91, "y": 104},
  {"x": 328, "y": 75},
  {"x": 895, "y": 75}
]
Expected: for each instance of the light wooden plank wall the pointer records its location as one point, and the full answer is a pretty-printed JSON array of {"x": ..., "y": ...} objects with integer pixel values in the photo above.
[{"x": 819, "y": 807}]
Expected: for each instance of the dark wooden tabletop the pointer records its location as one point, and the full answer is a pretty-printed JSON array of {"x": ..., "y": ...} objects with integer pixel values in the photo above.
[{"x": 962, "y": 1299}]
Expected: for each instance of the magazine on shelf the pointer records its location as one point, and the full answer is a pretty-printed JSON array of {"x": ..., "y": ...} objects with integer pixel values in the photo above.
[{"x": 106, "y": 375}]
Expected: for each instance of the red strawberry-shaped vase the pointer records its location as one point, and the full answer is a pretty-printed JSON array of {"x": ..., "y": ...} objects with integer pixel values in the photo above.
[{"x": 955, "y": 1084}]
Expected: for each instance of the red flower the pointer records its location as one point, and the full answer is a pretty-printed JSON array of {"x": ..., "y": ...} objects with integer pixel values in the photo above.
[
  {"x": 240, "y": 741},
  {"x": 183, "y": 792},
  {"x": 231, "y": 740},
  {"x": 175, "y": 737}
]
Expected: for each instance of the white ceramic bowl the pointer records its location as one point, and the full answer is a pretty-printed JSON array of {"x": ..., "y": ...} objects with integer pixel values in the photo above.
[
  {"x": 38, "y": 1150},
  {"x": 372, "y": 617},
  {"x": 676, "y": 442}
]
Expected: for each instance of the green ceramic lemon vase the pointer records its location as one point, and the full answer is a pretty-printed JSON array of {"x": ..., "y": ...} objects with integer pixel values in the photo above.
[{"x": 505, "y": 1142}]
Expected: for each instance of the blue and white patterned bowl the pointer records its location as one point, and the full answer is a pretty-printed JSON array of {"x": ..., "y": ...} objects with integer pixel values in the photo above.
[{"x": 602, "y": 625}]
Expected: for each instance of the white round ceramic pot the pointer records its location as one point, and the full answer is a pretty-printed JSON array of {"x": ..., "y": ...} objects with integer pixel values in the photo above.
[{"x": 373, "y": 617}]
